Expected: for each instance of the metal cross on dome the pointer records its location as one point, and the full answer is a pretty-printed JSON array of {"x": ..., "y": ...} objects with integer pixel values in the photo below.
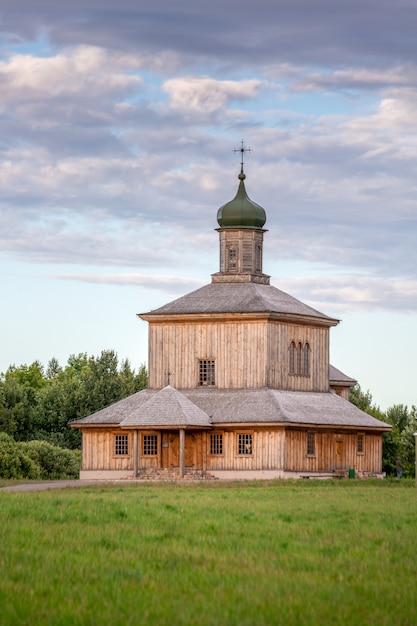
[{"x": 242, "y": 151}]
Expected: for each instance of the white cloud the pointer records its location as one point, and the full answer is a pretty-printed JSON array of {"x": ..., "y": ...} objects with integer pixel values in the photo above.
[
  {"x": 208, "y": 95},
  {"x": 82, "y": 70},
  {"x": 165, "y": 283},
  {"x": 351, "y": 292}
]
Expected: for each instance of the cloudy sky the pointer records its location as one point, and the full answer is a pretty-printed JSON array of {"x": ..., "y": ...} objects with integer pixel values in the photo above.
[{"x": 118, "y": 122}]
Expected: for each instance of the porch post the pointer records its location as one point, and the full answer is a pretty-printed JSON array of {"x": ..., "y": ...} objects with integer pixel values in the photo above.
[
  {"x": 135, "y": 453},
  {"x": 182, "y": 450}
]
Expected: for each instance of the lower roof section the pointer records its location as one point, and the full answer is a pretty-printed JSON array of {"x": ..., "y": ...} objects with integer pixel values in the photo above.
[{"x": 238, "y": 406}]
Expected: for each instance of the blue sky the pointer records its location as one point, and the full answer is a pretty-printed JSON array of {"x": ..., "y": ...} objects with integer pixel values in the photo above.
[{"x": 117, "y": 128}]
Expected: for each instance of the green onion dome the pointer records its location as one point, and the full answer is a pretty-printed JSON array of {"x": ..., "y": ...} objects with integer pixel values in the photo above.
[{"x": 241, "y": 212}]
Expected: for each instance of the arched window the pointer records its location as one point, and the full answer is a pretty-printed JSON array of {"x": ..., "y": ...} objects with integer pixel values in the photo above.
[
  {"x": 306, "y": 359},
  {"x": 291, "y": 351},
  {"x": 298, "y": 358}
]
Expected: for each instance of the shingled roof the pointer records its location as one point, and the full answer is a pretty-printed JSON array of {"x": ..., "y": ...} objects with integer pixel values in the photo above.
[
  {"x": 338, "y": 377},
  {"x": 231, "y": 297},
  {"x": 168, "y": 408}
]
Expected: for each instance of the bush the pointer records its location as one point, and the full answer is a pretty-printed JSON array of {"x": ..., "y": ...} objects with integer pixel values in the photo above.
[
  {"x": 37, "y": 460},
  {"x": 54, "y": 462},
  {"x": 14, "y": 463}
]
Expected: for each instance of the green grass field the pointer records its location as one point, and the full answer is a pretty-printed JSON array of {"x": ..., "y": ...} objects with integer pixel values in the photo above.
[{"x": 289, "y": 553}]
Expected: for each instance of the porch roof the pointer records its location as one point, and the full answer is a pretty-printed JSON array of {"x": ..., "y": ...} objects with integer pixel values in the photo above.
[{"x": 168, "y": 408}]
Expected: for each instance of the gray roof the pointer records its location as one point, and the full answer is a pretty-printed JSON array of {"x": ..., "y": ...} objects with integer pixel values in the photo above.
[
  {"x": 167, "y": 408},
  {"x": 336, "y": 376},
  {"x": 231, "y": 297},
  {"x": 235, "y": 406}
]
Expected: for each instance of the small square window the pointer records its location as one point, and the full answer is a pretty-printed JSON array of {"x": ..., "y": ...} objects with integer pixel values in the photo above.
[
  {"x": 206, "y": 372},
  {"x": 121, "y": 445},
  {"x": 311, "y": 444},
  {"x": 150, "y": 445},
  {"x": 244, "y": 444},
  {"x": 216, "y": 443}
]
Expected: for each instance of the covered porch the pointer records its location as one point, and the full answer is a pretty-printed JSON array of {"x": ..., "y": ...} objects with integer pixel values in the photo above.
[{"x": 169, "y": 431}]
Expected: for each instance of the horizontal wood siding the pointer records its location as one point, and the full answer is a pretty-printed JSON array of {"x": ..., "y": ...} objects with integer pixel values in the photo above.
[
  {"x": 280, "y": 335},
  {"x": 267, "y": 451},
  {"x": 333, "y": 451},
  {"x": 98, "y": 450},
  {"x": 238, "y": 348}
]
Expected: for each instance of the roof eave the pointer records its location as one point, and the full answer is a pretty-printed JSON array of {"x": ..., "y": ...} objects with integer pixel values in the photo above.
[{"x": 261, "y": 315}]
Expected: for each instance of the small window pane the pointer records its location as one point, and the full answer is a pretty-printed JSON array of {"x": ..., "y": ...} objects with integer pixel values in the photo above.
[
  {"x": 216, "y": 443},
  {"x": 299, "y": 358},
  {"x": 292, "y": 357},
  {"x": 150, "y": 445},
  {"x": 311, "y": 444},
  {"x": 360, "y": 444},
  {"x": 244, "y": 444},
  {"x": 206, "y": 372},
  {"x": 306, "y": 351},
  {"x": 121, "y": 445}
]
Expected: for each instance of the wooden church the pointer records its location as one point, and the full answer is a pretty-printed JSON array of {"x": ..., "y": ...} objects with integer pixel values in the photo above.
[{"x": 240, "y": 384}]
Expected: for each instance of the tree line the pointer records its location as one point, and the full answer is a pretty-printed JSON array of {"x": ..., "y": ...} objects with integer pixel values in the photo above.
[
  {"x": 37, "y": 404},
  {"x": 398, "y": 445}
]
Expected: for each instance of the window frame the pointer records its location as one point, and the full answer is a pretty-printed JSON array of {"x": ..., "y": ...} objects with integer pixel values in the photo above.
[
  {"x": 216, "y": 444},
  {"x": 311, "y": 444},
  {"x": 299, "y": 359},
  {"x": 121, "y": 445},
  {"x": 206, "y": 373},
  {"x": 240, "y": 446},
  {"x": 360, "y": 447},
  {"x": 147, "y": 445}
]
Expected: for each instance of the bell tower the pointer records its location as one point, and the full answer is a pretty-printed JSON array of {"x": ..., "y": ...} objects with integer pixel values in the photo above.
[{"x": 241, "y": 233}]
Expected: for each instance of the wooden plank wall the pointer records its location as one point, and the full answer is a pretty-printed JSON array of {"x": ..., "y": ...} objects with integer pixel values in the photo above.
[
  {"x": 177, "y": 347},
  {"x": 267, "y": 448},
  {"x": 326, "y": 458},
  {"x": 98, "y": 450},
  {"x": 249, "y": 354},
  {"x": 280, "y": 336}
]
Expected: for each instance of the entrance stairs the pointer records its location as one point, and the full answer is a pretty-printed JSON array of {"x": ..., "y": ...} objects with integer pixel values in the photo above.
[{"x": 170, "y": 474}]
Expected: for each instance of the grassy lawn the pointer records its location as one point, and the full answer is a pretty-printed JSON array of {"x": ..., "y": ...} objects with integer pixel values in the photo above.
[{"x": 289, "y": 553}]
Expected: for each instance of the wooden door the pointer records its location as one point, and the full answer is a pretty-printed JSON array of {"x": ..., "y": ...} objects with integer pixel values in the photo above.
[
  {"x": 339, "y": 454},
  {"x": 171, "y": 450}
]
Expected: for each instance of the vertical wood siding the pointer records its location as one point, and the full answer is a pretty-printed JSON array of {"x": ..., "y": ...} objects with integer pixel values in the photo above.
[
  {"x": 98, "y": 450},
  {"x": 247, "y": 354},
  {"x": 176, "y": 348},
  {"x": 279, "y": 338},
  {"x": 334, "y": 450},
  {"x": 267, "y": 451}
]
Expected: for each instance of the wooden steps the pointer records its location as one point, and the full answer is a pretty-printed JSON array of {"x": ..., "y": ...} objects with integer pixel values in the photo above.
[{"x": 170, "y": 474}]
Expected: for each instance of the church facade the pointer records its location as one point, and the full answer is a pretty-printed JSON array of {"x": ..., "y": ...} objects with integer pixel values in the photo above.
[{"x": 240, "y": 385}]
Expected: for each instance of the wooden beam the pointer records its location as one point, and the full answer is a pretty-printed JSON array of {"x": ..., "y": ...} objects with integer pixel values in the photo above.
[
  {"x": 182, "y": 451},
  {"x": 135, "y": 453}
]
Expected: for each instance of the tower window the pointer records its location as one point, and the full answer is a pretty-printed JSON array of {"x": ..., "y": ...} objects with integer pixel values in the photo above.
[
  {"x": 258, "y": 258},
  {"x": 305, "y": 368},
  {"x": 206, "y": 375},
  {"x": 292, "y": 357},
  {"x": 232, "y": 258},
  {"x": 299, "y": 359}
]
